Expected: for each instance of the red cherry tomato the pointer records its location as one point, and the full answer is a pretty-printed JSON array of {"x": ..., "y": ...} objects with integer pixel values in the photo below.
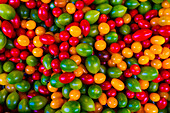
[
  {"x": 53, "y": 49},
  {"x": 162, "y": 103},
  {"x": 43, "y": 90},
  {"x": 85, "y": 26},
  {"x": 87, "y": 79},
  {"x": 78, "y": 16},
  {"x": 66, "y": 77},
  {"x": 47, "y": 39}
]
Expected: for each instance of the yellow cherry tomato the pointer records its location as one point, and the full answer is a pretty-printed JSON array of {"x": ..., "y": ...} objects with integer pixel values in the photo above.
[
  {"x": 74, "y": 94},
  {"x": 56, "y": 103},
  {"x": 23, "y": 40},
  {"x": 40, "y": 30},
  {"x": 159, "y": 40},
  {"x": 70, "y": 8},
  {"x": 75, "y": 31},
  {"x": 23, "y": 24},
  {"x": 150, "y": 108},
  {"x": 56, "y": 95},
  {"x": 10, "y": 87},
  {"x": 127, "y": 52},
  {"x": 164, "y": 20},
  {"x": 3, "y": 80},
  {"x": 37, "y": 52},
  {"x": 154, "y": 21},
  {"x": 78, "y": 72},
  {"x": 164, "y": 94},
  {"x": 76, "y": 58},
  {"x": 165, "y": 4},
  {"x": 136, "y": 47},
  {"x": 103, "y": 99},
  {"x": 116, "y": 58},
  {"x": 112, "y": 102},
  {"x": 165, "y": 53},
  {"x": 72, "y": 50},
  {"x": 51, "y": 88},
  {"x": 161, "y": 12},
  {"x": 56, "y": 37},
  {"x": 103, "y": 28},
  {"x": 111, "y": 63},
  {"x": 100, "y": 45},
  {"x": 117, "y": 84},
  {"x": 98, "y": 107},
  {"x": 30, "y": 24},
  {"x": 122, "y": 65},
  {"x": 99, "y": 78},
  {"x": 144, "y": 84},
  {"x": 127, "y": 18},
  {"x": 156, "y": 49},
  {"x": 156, "y": 63},
  {"x": 37, "y": 42},
  {"x": 148, "y": 53},
  {"x": 166, "y": 64},
  {"x": 29, "y": 70},
  {"x": 143, "y": 60},
  {"x": 154, "y": 97},
  {"x": 46, "y": 1}
]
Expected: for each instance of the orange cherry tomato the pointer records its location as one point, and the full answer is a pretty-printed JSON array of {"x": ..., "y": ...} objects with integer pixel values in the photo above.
[
  {"x": 37, "y": 52},
  {"x": 74, "y": 94},
  {"x": 148, "y": 53},
  {"x": 29, "y": 70},
  {"x": 30, "y": 24},
  {"x": 100, "y": 45},
  {"x": 103, "y": 28},
  {"x": 56, "y": 103},
  {"x": 150, "y": 108},
  {"x": 23, "y": 24},
  {"x": 156, "y": 63},
  {"x": 154, "y": 97},
  {"x": 40, "y": 30},
  {"x": 56, "y": 95},
  {"x": 117, "y": 84},
  {"x": 79, "y": 71},
  {"x": 166, "y": 64},
  {"x": 164, "y": 95},
  {"x": 98, "y": 107},
  {"x": 46, "y": 1},
  {"x": 3, "y": 80},
  {"x": 37, "y": 42},
  {"x": 116, "y": 58},
  {"x": 165, "y": 53},
  {"x": 143, "y": 60},
  {"x": 70, "y": 8},
  {"x": 112, "y": 102},
  {"x": 127, "y": 18},
  {"x": 144, "y": 84},
  {"x": 111, "y": 63},
  {"x": 103, "y": 99},
  {"x": 127, "y": 52},
  {"x": 99, "y": 78},
  {"x": 75, "y": 31},
  {"x": 23, "y": 40},
  {"x": 76, "y": 58},
  {"x": 72, "y": 50},
  {"x": 51, "y": 88},
  {"x": 136, "y": 47},
  {"x": 122, "y": 65}
]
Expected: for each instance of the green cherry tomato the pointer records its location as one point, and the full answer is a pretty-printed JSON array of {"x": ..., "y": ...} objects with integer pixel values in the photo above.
[
  {"x": 37, "y": 83},
  {"x": 44, "y": 79},
  {"x": 84, "y": 49},
  {"x": 9, "y": 44},
  {"x": 148, "y": 73},
  {"x": 157, "y": 7},
  {"x": 92, "y": 64},
  {"x": 76, "y": 84},
  {"x": 124, "y": 110},
  {"x": 58, "y": 111},
  {"x": 87, "y": 104},
  {"x": 132, "y": 4},
  {"x": 93, "y": 31},
  {"x": 15, "y": 76},
  {"x": 32, "y": 60},
  {"x": 153, "y": 87},
  {"x": 3, "y": 95},
  {"x": 99, "y": 1},
  {"x": 114, "y": 72},
  {"x": 157, "y": 1},
  {"x": 54, "y": 81},
  {"x": 111, "y": 37},
  {"x": 34, "y": 15},
  {"x": 104, "y": 8},
  {"x": 165, "y": 110},
  {"x": 118, "y": 11},
  {"x": 53, "y": 28},
  {"x": 7, "y": 12},
  {"x": 68, "y": 65},
  {"x": 47, "y": 61},
  {"x": 8, "y": 66},
  {"x": 23, "y": 86},
  {"x": 73, "y": 1},
  {"x": 37, "y": 102},
  {"x": 92, "y": 16},
  {"x": 23, "y": 11},
  {"x": 23, "y": 106},
  {"x": 52, "y": 5},
  {"x": 131, "y": 61},
  {"x": 108, "y": 110},
  {"x": 12, "y": 100},
  {"x": 65, "y": 19},
  {"x": 133, "y": 105},
  {"x": 116, "y": 2},
  {"x": 125, "y": 29},
  {"x": 58, "y": 24},
  {"x": 144, "y": 7},
  {"x": 83, "y": 89},
  {"x": 94, "y": 91},
  {"x": 133, "y": 85},
  {"x": 103, "y": 69},
  {"x": 122, "y": 100},
  {"x": 66, "y": 90},
  {"x": 88, "y": 40},
  {"x": 1, "y": 68},
  {"x": 3, "y": 40},
  {"x": 48, "y": 109},
  {"x": 71, "y": 107}
]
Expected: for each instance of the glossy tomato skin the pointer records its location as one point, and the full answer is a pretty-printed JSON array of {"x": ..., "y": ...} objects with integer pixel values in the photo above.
[
  {"x": 162, "y": 103},
  {"x": 142, "y": 35},
  {"x": 67, "y": 77},
  {"x": 87, "y": 79}
]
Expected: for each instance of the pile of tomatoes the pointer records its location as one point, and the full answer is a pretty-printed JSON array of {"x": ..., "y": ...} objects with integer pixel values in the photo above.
[{"x": 85, "y": 56}]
